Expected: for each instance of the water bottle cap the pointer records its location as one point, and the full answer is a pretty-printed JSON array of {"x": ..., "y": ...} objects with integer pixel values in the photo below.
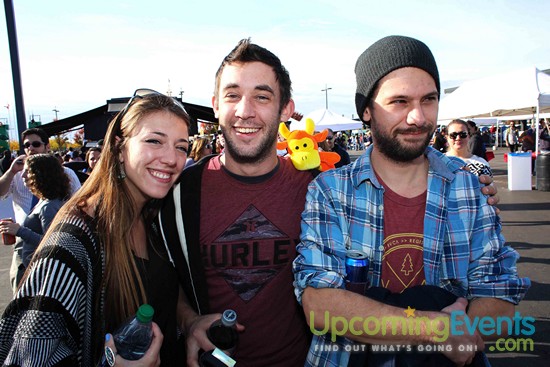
[
  {"x": 229, "y": 318},
  {"x": 145, "y": 313}
]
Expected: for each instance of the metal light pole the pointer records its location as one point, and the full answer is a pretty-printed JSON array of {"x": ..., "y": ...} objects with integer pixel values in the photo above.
[
  {"x": 56, "y": 111},
  {"x": 326, "y": 95},
  {"x": 15, "y": 69}
]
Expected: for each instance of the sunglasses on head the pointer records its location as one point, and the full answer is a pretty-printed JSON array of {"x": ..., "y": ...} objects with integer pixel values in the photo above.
[
  {"x": 462, "y": 135},
  {"x": 138, "y": 94},
  {"x": 35, "y": 144}
]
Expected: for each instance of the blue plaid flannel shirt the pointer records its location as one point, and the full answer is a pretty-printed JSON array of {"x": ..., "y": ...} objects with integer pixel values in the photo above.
[{"x": 464, "y": 251}]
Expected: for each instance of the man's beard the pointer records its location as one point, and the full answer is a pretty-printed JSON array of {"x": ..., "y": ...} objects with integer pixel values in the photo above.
[
  {"x": 260, "y": 154},
  {"x": 395, "y": 150}
]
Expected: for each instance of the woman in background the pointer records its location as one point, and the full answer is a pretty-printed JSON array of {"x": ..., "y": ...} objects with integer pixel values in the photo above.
[
  {"x": 102, "y": 257},
  {"x": 201, "y": 148},
  {"x": 46, "y": 179},
  {"x": 457, "y": 137},
  {"x": 92, "y": 157}
]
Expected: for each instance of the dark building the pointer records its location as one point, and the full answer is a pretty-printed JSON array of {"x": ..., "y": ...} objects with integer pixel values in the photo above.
[{"x": 95, "y": 121}]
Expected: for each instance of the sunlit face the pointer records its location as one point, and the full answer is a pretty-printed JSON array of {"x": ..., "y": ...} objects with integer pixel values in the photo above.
[
  {"x": 248, "y": 108},
  {"x": 458, "y": 137},
  {"x": 155, "y": 155},
  {"x": 93, "y": 158},
  {"x": 34, "y": 145},
  {"x": 403, "y": 114},
  {"x": 25, "y": 175}
]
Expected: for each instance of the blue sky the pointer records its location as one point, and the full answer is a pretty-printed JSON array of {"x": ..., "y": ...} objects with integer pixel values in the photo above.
[{"x": 74, "y": 55}]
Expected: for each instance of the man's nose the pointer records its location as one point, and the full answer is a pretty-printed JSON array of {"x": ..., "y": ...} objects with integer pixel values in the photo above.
[{"x": 245, "y": 109}]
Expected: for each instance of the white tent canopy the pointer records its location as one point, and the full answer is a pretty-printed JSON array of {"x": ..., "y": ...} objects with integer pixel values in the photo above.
[
  {"x": 520, "y": 92},
  {"x": 325, "y": 119},
  {"x": 531, "y": 116},
  {"x": 480, "y": 121}
]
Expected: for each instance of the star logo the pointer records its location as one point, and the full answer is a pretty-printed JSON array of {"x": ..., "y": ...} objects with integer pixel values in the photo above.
[{"x": 409, "y": 311}]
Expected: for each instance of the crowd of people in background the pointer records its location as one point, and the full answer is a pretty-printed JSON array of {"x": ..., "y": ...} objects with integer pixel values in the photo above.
[
  {"x": 515, "y": 135},
  {"x": 480, "y": 141}
]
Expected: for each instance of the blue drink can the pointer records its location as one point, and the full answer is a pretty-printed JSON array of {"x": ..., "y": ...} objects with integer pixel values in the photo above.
[{"x": 357, "y": 270}]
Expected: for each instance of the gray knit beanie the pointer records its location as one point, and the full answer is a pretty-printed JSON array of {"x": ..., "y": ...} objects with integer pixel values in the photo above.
[{"x": 383, "y": 57}]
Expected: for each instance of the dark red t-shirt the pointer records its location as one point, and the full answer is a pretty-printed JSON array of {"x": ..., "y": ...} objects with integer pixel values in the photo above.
[
  {"x": 248, "y": 238},
  {"x": 402, "y": 263}
]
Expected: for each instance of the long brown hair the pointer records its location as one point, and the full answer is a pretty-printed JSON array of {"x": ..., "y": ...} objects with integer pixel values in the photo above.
[
  {"x": 197, "y": 151},
  {"x": 105, "y": 194}
]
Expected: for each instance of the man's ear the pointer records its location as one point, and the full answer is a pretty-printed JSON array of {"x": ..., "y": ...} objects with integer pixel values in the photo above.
[
  {"x": 216, "y": 107},
  {"x": 288, "y": 110},
  {"x": 366, "y": 114}
]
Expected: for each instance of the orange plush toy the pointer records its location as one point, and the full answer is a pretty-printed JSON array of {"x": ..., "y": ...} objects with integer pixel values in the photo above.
[{"x": 303, "y": 148}]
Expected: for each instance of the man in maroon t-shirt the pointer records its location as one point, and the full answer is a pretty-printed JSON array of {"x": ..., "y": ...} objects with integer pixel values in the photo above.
[{"x": 241, "y": 218}]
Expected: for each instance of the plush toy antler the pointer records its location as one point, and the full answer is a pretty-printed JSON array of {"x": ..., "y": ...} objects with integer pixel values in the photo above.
[{"x": 303, "y": 147}]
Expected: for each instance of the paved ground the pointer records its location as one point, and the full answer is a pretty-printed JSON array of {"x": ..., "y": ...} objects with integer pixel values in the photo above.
[
  {"x": 6, "y": 211},
  {"x": 526, "y": 225}
]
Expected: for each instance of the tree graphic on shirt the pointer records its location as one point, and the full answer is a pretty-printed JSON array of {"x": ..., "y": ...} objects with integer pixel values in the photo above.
[{"x": 407, "y": 266}]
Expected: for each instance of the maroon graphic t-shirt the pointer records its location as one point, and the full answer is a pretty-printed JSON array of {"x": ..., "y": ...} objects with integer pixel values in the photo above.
[
  {"x": 402, "y": 263},
  {"x": 249, "y": 233}
]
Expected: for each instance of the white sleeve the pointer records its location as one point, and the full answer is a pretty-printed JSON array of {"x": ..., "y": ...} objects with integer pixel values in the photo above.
[{"x": 73, "y": 178}]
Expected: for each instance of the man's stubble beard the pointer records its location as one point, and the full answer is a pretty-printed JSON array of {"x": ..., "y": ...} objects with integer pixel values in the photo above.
[
  {"x": 264, "y": 150},
  {"x": 393, "y": 149}
]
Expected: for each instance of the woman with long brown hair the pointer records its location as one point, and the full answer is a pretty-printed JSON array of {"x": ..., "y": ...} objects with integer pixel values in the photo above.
[
  {"x": 201, "y": 148},
  {"x": 92, "y": 157},
  {"x": 101, "y": 257}
]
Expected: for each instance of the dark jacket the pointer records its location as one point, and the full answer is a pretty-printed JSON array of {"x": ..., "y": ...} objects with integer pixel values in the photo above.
[
  {"x": 476, "y": 145},
  {"x": 190, "y": 270},
  {"x": 440, "y": 143},
  {"x": 544, "y": 140},
  {"x": 344, "y": 156}
]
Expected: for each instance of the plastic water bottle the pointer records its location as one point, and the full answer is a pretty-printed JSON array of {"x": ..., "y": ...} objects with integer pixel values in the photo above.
[
  {"x": 223, "y": 334},
  {"x": 133, "y": 338}
]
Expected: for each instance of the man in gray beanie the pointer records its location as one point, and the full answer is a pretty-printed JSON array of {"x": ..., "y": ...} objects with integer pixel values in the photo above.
[
  {"x": 383, "y": 57},
  {"x": 406, "y": 220}
]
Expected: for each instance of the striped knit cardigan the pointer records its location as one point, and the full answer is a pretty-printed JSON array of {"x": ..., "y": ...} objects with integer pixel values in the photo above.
[{"x": 55, "y": 317}]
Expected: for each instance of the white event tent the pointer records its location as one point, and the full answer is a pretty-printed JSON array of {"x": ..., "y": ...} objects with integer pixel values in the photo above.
[
  {"x": 325, "y": 119},
  {"x": 519, "y": 92}
]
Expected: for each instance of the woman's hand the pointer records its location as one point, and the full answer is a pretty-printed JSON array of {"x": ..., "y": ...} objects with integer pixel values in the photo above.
[
  {"x": 151, "y": 358},
  {"x": 9, "y": 227}
]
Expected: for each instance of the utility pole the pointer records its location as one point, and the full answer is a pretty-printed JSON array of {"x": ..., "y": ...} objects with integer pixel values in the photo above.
[
  {"x": 56, "y": 111},
  {"x": 181, "y": 94},
  {"x": 326, "y": 95},
  {"x": 15, "y": 69}
]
